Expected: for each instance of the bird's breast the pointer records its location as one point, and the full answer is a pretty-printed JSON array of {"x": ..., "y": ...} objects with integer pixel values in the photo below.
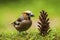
[{"x": 24, "y": 25}]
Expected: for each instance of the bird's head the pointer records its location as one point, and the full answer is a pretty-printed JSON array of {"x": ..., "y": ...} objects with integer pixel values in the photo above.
[{"x": 28, "y": 13}]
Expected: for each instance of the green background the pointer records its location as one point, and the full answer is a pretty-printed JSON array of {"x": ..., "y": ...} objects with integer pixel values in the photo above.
[{"x": 10, "y": 10}]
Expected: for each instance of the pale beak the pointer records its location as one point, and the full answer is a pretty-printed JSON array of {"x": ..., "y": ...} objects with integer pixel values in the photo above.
[{"x": 32, "y": 15}]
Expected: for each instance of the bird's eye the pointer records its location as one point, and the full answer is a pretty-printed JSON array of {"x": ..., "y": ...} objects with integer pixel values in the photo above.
[{"x": 27, "y": 13}]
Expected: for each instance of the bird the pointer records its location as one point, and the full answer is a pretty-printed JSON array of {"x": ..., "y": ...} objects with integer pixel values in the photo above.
[{"x": 24, "y": 22}]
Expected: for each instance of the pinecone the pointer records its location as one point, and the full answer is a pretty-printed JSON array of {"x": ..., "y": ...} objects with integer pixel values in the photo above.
[{"x": 43, "y": 23}]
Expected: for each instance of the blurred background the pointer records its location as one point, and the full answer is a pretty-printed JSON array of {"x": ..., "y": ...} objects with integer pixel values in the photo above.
[{"x": 10, "y": 10}]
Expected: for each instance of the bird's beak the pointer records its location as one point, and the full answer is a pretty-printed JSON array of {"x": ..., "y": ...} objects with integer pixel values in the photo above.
[{"x": 32, "y": 15}]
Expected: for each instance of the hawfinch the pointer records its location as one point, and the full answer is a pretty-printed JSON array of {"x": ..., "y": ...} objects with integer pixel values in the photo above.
[{"x": 24, "y": 22}]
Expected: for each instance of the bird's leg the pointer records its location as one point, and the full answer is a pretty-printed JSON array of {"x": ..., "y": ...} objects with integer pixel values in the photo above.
[{"x": 26, "y": 32}]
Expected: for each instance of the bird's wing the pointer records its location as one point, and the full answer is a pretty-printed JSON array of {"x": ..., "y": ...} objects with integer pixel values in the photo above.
[
  {"x": 18, "y": 20},
  {"x": 25, "y": 23}
]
